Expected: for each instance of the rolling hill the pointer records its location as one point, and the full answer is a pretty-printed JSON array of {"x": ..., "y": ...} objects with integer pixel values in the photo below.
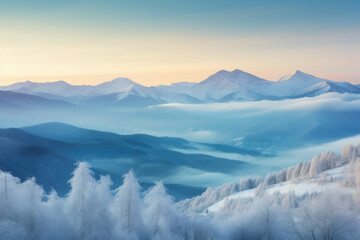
[{"x": 49, "y": 152}]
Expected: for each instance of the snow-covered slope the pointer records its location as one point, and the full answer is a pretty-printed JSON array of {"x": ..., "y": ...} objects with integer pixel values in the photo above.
[
  {"x": 290, "y": 84},
  {"x": 325, "y": 172},
  {"x": 179, "y": 87},
  {"x": 225, "y": 85},
  {"x": 300, "y": 84},
  {"x": 327, "y": 180},
  {"x": 324, "y": 87},
  {"x": 140, "y": 96},
  {"x": 348, "y": 86}
]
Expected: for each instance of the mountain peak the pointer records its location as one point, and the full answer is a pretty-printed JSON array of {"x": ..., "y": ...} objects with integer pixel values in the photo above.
[
  {"x": 120, "y": 79},
  {"x": 30, "y": 83},
  {"x": 228, "y": 79},
  {"x": 221, "y": 72},
  {"x": 294, "y": 75},
  {"x": 116, "y": 84},
  {"x": 59, "y": 83},
  {"x": 238, "y": 71},
  {"x": 226, "y": 72}
]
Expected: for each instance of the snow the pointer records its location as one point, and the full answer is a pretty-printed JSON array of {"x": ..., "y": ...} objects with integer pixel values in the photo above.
[
  {"x": 317, "y": 89},
  {"x": 179, "y": 87},
  {"x": 91, "y": 210},
  {"x": 64, "y": 89},
  {"x": 292, "y": 83},
  {"x": 327, "y": 86},
  {"x": 299, "y": 187},
  {"x": 224, "y": 83},
  {"x": 159, "y": 95},
  {"x": 223, "y": 86}
]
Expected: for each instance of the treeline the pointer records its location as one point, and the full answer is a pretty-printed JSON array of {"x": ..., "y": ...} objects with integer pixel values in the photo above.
[{"x": 92, "y": 211}]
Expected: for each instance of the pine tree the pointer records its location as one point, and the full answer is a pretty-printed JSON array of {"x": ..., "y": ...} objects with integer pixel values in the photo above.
[{"x": 127, "y": 208}]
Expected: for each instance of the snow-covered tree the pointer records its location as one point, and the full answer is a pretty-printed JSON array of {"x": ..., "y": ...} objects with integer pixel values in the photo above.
[
  {"x": 350, "y": 153},
  {"x": 322, "y": 162},
  {"x": 127, "y": 208},
  {"x": 88, "y": 204},
  {"x": 92, "y": 211},
  {"x": 161, "y": 216},
  {"x": 327, "y": 216}
]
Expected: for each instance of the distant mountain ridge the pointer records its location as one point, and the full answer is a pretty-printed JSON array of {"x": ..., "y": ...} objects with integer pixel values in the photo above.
[
  {"x": 16, "y": 100},
  {"x": 223, "y": 86},
  {"x": 49, "y": 151}
]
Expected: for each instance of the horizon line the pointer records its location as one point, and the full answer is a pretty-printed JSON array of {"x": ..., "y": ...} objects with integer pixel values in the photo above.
[{"x": 170, "y": 83}]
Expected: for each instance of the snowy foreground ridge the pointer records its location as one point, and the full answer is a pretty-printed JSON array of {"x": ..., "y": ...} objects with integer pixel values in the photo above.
[{"x": 319, "y": 199}]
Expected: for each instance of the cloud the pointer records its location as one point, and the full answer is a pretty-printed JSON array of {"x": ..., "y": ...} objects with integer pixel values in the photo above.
[
  {"x": 332, "y": 101},
  {"x": 194, "y": 177},
  {"x": 201, "y": 135}
]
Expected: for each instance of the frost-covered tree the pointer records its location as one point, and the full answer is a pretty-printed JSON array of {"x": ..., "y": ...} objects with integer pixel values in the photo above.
[
  {"x": 322, "y": 162},
  {"x": 212, "y": 195},
  {"x": 4, "y": 193},
  {"x": 356, "y": 171},
  {"x": 281, "y": 176},
  {"x": 350, "y": 153},
  {"x": 260, "y": 218},
  {"x": 327, "y": 216},
  {"x": 289, "y": 172},
  {"x": 164, "y": 221},
  {"x": 161, "y": 216},
  {"x": 11, "y": 230},
  {"x": 88, "y": 204},
  {"x": 270, "y": 179},
  {"x": 127, "y": 208},
  {"x": 34, "y": 195},
  {"x": 18, "y": 207},
  {"x": 296, "y": 173},
  {"x": 305, "y": 170}
]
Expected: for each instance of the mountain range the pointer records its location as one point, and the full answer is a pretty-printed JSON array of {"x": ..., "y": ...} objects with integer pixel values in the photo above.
[
  {"x": 223, "y": 86},
  {"x": 49, "y": 151}
]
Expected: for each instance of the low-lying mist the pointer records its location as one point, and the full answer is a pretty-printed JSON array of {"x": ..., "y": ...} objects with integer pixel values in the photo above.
[{"x": 287, "y": 131}]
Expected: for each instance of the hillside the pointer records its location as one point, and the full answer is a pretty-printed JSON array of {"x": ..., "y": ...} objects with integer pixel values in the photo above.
[{"x": 49, "y": 152}]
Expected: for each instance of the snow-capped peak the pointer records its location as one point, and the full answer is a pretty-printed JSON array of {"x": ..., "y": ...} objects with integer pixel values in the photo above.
[
  {"x": 287, "y": 76},
  {"x": 225, "y": 86},
  {"x": 295, "y": 75},
  {"x": 113, "y": 86},
  {"x": 235, "y": 85},
  {"x": 235, "y": 76}
]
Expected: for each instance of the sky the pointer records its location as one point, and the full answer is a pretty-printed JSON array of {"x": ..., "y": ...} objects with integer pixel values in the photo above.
[{"x": 160, "y": 42}]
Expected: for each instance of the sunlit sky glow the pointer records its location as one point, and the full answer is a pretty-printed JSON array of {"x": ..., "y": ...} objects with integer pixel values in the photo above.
[{"x": 159, "y": 42}]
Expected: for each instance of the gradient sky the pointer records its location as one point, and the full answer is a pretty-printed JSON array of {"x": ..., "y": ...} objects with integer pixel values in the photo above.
[{"x": 159, "y": 42}]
